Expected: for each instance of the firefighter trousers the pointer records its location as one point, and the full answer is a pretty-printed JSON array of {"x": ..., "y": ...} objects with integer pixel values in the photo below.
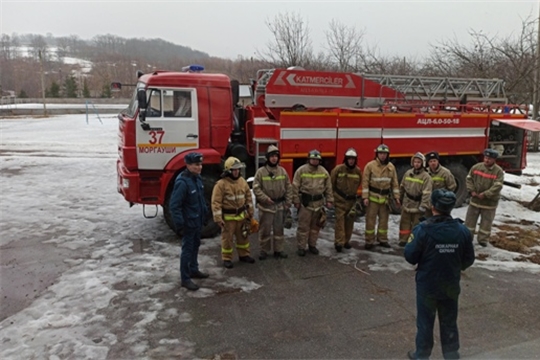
[
  {"x": 486, "y": 220},
  {"x": 373, "y": 211},
  {"x": 271, "y": 231},
  {"x": 407, "y": 222},
  {"x": 344, "y": 223},
  {"x": 233, "y": 229},
  {"x": 308, "y": 231}
]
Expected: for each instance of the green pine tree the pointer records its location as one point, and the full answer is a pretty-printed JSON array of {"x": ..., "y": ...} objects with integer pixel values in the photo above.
[
  {"x": 71, "y": 87},
  {"x": 106, "y": 91},
  {"x": 53, "y": 91},
  {"x": 86, "y": 91},
  {"x": 23, "y": 94}
]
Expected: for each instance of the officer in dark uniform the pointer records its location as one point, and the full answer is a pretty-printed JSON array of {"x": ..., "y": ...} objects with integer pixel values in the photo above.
[
  {"x": 442, "y": 247},
  {"x": 189, "y": 211}
]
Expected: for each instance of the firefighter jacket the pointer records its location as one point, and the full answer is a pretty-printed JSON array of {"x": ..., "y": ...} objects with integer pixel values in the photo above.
[
  {"x": 379, "y": 181},
  {"x": 345, "y": 182},
  {"x": 488, "y": 181},
  {"x": 442, "y": 247},
  {"x": 231, "y": 200},
  {"x": 272, "y": 183},
  {"x": 187, "y": 204},
  {"x": 312, "y": 187},
  {"x": 415, "y": 190},
  {"x": 442, "y": 178}
]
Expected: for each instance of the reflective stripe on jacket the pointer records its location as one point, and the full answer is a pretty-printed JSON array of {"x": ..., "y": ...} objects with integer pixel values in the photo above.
[
  {"x": 416, "y": 185},
  {"x": 272, "y": 183},
  {"x": 487, "y": 181},
  {"x": 442, "y": 178},
  {"x": 346, "y": 181},
  {"x": 231, "y": 194},
  {"x": 379, "y": 176},
  {"x": 312, "y": 180}
]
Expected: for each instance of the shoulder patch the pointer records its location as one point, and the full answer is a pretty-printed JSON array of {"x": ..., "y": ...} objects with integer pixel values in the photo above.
[{"x": 411, "y": 238}]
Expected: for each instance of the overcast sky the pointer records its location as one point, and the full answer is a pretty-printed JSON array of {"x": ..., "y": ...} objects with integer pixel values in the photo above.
[{"x": 229, "y": 29}]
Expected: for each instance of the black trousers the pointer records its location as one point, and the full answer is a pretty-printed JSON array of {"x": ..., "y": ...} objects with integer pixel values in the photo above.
[{"x": 447, "y": 309}]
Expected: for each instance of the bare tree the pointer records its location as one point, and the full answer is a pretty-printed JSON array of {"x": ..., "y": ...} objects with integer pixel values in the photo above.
[
  {"x": 291, "y": 44},
  {"x": 344, "y": 44}
]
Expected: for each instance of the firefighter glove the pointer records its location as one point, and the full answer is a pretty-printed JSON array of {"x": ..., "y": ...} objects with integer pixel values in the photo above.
[
  {"x": 321, "y": 221},
  {"x": 254, "y": 226}
]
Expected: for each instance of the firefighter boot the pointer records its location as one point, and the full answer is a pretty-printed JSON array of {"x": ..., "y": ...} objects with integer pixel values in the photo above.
[
  {"x": 347, "y": 245},
  {"x": 190, "y": 285},
  {"x": 228, "y": 264},
  {"x": 313, "y": 250},
  {"x": 247, "y": 259},
  {"x": 301, "y": 252},
  {"x": 263, "y": 255},
  {"x": 338, "y": 247}
]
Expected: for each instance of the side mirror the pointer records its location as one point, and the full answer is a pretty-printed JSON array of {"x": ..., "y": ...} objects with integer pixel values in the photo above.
[{"x": 141, "y": 98}]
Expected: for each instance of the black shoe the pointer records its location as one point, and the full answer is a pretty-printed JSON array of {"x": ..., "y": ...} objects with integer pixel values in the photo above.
[
  {"x": 199, "y": 275},
  {"x": 339, "y": 248},
  {"x": 368, "y": 246},
  {"x": 402, "y": 243},
  {"x": 228, "y": 264},
  {"x": 280, "y": 255},
  {"x": 313, "y": 250},
  {"x": 263, "y": 255},
  {"x": 411, "y": 355},
  {"x": 190, "y": 285},
  {"x": 247, "y": 259},
  {"x": 301, "y": 252},
  {"x": 483, "y": 244},
  {"x": 385, "y": 244},
  {"x": 347, "y": 246}
]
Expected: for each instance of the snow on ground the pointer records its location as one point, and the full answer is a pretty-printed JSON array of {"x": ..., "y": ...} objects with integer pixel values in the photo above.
[
  {"x": 58, "y": 179},
  {"x": 35, "y": 106}
]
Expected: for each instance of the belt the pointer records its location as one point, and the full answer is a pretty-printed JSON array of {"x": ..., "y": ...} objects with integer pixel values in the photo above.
[
  {"x": 345, "y": 196},
  {"x": 310, "y": 197},
  {"x": 379, "y": 191},
  {"x": 278, "y": 200},
  {"x": 414, "y": 198},
  {"x": 234, "y": 211}
]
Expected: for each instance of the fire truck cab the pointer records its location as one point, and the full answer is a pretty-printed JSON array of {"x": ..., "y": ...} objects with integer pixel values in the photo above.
[{"x": 172, "y": 113}]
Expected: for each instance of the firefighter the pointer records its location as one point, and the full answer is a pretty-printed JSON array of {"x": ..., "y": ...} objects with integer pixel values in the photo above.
[
  {"x": 346, "y": 179},
  {"x": 442, "y": 247},
  {"x": 189, "y": 211},
  {"x": 441, "y": 177},
  {"x": 484, "y": 183},
  {"x": 415, "y": 190},
  {"x": 231, "y": 206},
  {"x": 311, "y": 189},
  {"x": 273, "y": 193},
  {"x": 379, "y": 182}
]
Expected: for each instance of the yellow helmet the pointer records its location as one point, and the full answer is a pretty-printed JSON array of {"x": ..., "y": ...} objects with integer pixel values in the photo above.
[{"x": 232, "y": 163}]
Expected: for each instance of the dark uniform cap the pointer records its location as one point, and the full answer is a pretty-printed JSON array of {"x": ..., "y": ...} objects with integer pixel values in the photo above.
[
  {"x": 491, "y": 153},
  {"x": 443, "y": 200},
  {"x": 193, "y": 158},
  {"x": 432, "y": 155}
]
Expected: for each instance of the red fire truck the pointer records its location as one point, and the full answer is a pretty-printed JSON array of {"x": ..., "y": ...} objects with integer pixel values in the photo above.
[{"x": 173, "y": 113}]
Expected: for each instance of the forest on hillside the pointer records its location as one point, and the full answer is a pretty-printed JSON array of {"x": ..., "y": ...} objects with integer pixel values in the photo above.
[{"x": 109, "y": 58}]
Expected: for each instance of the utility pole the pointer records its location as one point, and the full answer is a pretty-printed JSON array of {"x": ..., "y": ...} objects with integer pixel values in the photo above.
[
  {"x": 42, "y": 83},
  {"x": 536, "y": 92}
]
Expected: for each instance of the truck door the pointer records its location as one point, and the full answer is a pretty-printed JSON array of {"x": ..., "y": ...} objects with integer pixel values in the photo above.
[
  {"x": 172, "y": 116},
  {"x": 509, "y": 138}
]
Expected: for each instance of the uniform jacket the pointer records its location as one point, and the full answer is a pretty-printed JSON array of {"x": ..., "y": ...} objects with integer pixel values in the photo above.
[
  {"x": 416, "y": 184},
  {"x": 272, "y": 182},
  {"x": 345, "y": 180},
  {"x": 187, "y": 204},
  {"x": 442, "y": 178},
  {"x": 442, "y": 247},
  {"x": 312, "y": 180},
  {"x": 379, "y": 176},
  {"x": 487, "y": 181},
  {"x": 231, "y": 194}
]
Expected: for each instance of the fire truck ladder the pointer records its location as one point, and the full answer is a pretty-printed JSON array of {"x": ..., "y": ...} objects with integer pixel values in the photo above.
[{"x": 425, "y": 88}]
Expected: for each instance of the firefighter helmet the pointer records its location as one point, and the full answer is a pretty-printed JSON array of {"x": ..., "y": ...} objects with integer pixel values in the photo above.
[
  {"x": 232, "y": 163},
  {"x": 315, "y": 154},
  {"x": 491, "y": 153},
  {"x": 351, "y": 153},
  {"x": 420, "y": 156},
  {"x": 382, "y": 149},
  {"x": 443, "y": 200},
  {"x": 272, "y": 150}
]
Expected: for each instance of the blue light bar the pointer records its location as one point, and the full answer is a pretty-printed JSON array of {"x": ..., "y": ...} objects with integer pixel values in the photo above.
[{"x": 193, "y": 68}]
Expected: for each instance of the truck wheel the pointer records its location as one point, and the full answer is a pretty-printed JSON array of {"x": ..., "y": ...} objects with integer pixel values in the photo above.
[
  {"x": 211, "y": 229},
  {"x": 460, "y": 174}
]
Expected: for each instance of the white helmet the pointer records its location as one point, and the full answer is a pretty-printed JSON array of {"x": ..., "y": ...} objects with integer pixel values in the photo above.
[
  {"x": 351, "y": 152},
  {"x": 420, "y": 156}
]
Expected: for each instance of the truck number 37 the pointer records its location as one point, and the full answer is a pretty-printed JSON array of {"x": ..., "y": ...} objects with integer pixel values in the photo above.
[{"x": 156, "y": 136}]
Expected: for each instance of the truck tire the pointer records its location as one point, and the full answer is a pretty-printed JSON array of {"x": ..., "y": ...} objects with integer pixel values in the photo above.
[
  {"x": 460, "y": 173},
  {"x": 211, "y": 229}
]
